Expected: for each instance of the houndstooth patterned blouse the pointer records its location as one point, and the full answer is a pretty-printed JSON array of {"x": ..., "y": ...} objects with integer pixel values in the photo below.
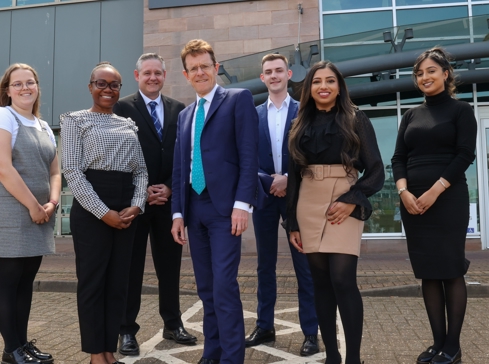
[{"x": 105, "y": 142}]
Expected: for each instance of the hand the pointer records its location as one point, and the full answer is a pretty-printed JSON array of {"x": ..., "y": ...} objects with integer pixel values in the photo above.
[
  {"x": 49, "y": 208},
  {"x": 339, "y": 211},
  {"x": 158, "y": 194},
  {"x": 427, "y": 199},
  {"x": 113, "y": 219},
  {"x": 178, "y": 231},
  {"x": 409, "y": 202},
  {"x": 130, "y": 212},
  {"x": 279, "y": 185},
  {"x": 295, "y": 240},
  {"x": 239, "y": 221},
  {"x": 38, "y": 215}
]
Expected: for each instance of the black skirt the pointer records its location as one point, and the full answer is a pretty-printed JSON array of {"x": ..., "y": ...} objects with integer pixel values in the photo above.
[{"x": 436, "y": 239}]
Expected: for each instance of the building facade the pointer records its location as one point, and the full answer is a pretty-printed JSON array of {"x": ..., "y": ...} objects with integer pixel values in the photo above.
[{"x": 66, "y": 38}]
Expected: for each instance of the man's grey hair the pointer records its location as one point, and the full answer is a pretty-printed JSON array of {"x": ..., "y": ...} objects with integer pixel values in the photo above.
[{"x": 147, "y": 56}]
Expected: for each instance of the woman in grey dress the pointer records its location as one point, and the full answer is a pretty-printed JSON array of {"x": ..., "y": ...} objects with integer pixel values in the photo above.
[{"x": 30, "y": 183}]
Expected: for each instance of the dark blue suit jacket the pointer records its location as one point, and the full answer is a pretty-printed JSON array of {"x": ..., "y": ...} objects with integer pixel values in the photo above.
[
  {"x": 229, "y": 146},
  {"x": 265, "y": 156}
]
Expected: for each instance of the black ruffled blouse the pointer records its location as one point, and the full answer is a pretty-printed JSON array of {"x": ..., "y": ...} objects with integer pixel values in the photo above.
[{"x": 322, "y": 143}]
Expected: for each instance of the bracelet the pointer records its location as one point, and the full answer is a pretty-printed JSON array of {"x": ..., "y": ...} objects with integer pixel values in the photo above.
[
  {"x": 55, "y": 203},
  {"x": 442, "y": 183},
  {"x": 401, "y": 190}
]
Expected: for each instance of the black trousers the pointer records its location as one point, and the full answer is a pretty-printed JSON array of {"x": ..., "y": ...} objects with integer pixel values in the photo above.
[
  {"x": 167, "y": 257},
  {"x": 103, "y": 257}
]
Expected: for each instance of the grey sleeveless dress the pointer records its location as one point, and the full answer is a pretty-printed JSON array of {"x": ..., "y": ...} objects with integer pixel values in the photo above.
[{"x": 32, "y": 155}]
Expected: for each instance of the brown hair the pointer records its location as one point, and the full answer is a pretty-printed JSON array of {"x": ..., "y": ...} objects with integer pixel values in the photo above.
[
  {"x": 442, "y": 58},
  {"x": 5, "y": 99},
  {"x": 345, "y": 119},
  {"x": 194, "y": 47},
  {"x": 273, "y": 57}
]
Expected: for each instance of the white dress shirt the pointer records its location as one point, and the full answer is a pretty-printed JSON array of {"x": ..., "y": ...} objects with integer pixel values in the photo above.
[
  {"x": 276, "y": 125},
  {"x": 159, "y": 107}
]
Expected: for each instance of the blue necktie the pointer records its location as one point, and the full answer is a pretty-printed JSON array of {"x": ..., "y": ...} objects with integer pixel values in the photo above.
[
  {"x": 156, "y": 121},
  {"x": 198, "y": 179}
]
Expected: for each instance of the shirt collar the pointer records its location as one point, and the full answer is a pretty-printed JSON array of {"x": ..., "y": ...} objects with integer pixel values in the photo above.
[
  {"x": 147, "y": 100},
  {"x": 284, "y": 103},
  {"x": 210, "y": 96}
]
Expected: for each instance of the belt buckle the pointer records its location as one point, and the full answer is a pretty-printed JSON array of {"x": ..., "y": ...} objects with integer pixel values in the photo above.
[{"x": 318, "y": 173}]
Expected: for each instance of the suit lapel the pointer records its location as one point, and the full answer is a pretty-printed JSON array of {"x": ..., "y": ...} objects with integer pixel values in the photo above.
[
  {"x": 141, "y": 106},
  {"x": 167, "y": 112},
  {"x": 216, "y": 102},
  {"x": 291, "y": 114},
  {"x": 263, "y": 117}
]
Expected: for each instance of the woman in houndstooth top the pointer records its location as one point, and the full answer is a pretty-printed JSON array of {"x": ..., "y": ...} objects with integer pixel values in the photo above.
[{"x": 104, "y": 166}]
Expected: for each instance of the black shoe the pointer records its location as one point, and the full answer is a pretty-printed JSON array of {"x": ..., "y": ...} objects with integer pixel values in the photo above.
[
  {"x": 180, "y": 335},
  {"x": 444, "y": 358},
  {"x": 310, "y": 345},
  {"x": 208, "y": 361},
  {"x": 260, "y": 336},
  {"x": 33, "y": 351},
  {"x": 128, "y": 345},
  {"x": 19, "y": 356},
  {"x": 426, "y": 356}
]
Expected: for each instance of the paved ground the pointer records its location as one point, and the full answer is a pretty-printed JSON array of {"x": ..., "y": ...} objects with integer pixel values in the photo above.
[{"x": 395, "y": 326}]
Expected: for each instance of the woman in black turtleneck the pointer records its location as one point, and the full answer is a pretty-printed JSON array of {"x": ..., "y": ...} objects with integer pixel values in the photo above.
[
  {"x": 330, "y": 142},
  {"x": 435, "y": 146}
]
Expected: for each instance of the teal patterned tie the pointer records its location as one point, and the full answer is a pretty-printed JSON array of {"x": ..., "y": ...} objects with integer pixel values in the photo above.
[{"x": 198, "y": 179}]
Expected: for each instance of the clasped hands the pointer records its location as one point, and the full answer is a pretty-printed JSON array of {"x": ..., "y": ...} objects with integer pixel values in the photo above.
[
  {"x": 42, "y": 214},
  {"x": 122, "y": 219},
  {"x": 158, "y": 194},
  {"x": 418, "y": 206}
]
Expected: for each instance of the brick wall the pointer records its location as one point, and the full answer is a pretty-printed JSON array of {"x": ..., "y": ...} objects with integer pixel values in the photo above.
[{"x": 233, "y": 30}]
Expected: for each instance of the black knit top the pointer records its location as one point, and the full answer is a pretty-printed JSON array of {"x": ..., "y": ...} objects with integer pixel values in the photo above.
[
  {"x": 322, "y": 143},
  {"x": 441, "y": 130}
]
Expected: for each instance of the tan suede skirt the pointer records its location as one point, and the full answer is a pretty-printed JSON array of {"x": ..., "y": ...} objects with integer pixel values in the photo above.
[{"x": 321, "y": 185}]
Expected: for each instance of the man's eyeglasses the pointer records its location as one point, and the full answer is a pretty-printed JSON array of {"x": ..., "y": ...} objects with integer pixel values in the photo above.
[
  {"x": 18, "y": 86},
  {"x": 204, "y": 67},
  {"x": 102, "y": 84}
]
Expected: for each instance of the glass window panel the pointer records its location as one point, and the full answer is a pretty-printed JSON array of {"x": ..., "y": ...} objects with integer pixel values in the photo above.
[
  {"x": 345, "y": 53},
  {"x": 33, "y": 2},
  {"x": 354, "y": 4},
  {"x": 64, "y": 184},
  {"x": 480, "y": 10},
  {"x": 335, "y": 25},
  {"x": 5, "y": 3},
  {"x": 458, "y": 27},
  {"x": 471, "y": 175},
  {"x": 479, "y": 22},
  {"x": 65, "y": 226},
  {"x": 426, "y": 2},
  {"x": 385, "y": 203},
  {"x": 66, "y": 203}
]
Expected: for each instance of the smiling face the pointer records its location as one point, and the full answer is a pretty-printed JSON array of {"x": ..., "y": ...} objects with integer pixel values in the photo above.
[
  {"x": 203, "y": 81},
  {"x": 25, "y": 98},
  {"x": 325, "y": 89},
  {"x": 275, "y": 76},
  {"x": 430, "y": 77},
  {"x": 150, "y": 78},
  {"x": 104, "y": 100}
]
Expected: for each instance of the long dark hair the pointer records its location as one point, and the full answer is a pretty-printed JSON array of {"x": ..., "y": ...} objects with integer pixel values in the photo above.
[
  {"x": 345, "y": 118},
  {"x": 442, "y": 58}
]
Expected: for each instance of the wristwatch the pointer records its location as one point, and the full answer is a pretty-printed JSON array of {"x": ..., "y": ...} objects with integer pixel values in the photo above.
[
  {"x": 56, "y": 205},
  {"x": 401, "y": 190}
]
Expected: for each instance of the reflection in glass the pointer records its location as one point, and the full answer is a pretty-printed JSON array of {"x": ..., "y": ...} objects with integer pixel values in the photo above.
[
  {"x": 33, "y": 2},
  {"x": 471, "y": 175},
  {"x": 385, "y": 203},
  {"x": 334, "y": 24},
  {"x": 65, "y": 226},
  {"x": 5, "y": 3},
  {"x": 426, "y": 2},
  {"x": 329, "y": 5},
  {"x": 458, "y": 27},
  {"x": 66, "y": 203}
]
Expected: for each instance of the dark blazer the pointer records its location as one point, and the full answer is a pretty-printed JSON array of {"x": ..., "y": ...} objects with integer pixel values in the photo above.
[
  {"x": 265, "y": 156},
  {"x": 157, "y": 154},
  {"x": 229, "y": 145}
]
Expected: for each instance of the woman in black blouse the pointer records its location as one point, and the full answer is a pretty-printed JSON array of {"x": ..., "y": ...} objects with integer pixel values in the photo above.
[
  {"x": 330, "y": 142},
  {"x": 104, "y": 166},
  {"x": 435, "y": 146}
]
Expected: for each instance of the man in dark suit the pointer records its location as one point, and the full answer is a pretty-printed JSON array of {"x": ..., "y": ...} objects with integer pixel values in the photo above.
[
  {"x": 156, "y": 117},
  {"x": 275, "y": 118},
  {"x": 214, "y": 185}
]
